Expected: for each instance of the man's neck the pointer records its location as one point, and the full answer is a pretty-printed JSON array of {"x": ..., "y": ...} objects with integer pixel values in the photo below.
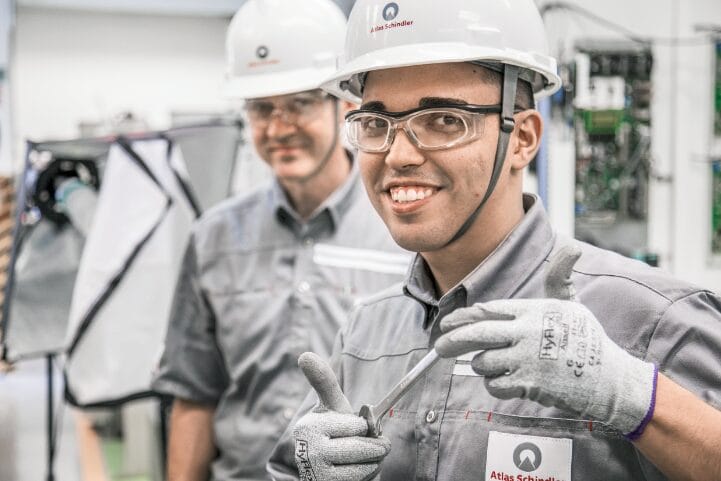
[
  {"x": 451, "y": 264},
  {"x": 307, "y": 195}
]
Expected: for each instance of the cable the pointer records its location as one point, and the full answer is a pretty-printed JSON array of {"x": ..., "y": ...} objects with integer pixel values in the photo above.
[{"x": 645, "y": 40}]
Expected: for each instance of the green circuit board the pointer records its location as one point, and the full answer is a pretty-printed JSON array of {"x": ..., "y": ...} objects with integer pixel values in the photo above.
[{"x": 612, "y": 139}]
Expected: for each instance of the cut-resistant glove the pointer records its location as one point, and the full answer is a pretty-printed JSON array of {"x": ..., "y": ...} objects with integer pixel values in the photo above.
[
  {"x": 555, "y": 352},
  {"x": 331, "y": 441}
]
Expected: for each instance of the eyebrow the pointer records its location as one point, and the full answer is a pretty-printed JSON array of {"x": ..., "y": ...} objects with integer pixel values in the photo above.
[
  {"x": 258, "y": 103},
  {"x": 374, "y": 105},
  {"x": 436, "y": 101},
  {"x": 424, "y": 102}
]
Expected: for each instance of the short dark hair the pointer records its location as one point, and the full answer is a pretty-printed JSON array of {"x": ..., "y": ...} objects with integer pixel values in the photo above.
[{"x": 524, "y": 92}]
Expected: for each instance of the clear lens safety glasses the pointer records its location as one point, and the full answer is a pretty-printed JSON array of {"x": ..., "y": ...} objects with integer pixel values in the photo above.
[
  {"x": 296, "y": 109},
  {"x": 428, "y": 128}
]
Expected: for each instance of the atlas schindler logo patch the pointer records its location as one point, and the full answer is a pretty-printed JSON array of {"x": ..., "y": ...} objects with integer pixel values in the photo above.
[
  {"x": 305, "y": 470},
  {"x": 521, "y": 457},
  {"x": 389, "y": 14},
  {"x": 527, "y": 457}
]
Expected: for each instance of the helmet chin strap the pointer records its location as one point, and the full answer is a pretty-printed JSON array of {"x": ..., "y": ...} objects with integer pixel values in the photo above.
[
  {"x": 326, "y": 158},
  {"x": 510, "y": 80}
]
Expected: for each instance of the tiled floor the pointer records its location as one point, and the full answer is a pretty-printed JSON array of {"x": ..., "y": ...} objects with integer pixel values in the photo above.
[{"x": 23, "y": 447}]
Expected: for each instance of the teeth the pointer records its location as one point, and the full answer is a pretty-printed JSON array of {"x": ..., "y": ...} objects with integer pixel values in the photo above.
[{"x": 410, "y": 194}]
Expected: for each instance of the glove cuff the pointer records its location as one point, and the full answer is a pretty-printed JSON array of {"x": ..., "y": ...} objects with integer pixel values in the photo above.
[
  {"x": 633, "y": 402},
  {"x": 636, "y": 433},
  {"x": 626, "y": 392}
]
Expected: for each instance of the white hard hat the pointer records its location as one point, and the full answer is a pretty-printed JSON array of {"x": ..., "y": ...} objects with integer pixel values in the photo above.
[
  {"x": 277, "y": 47},
  {"x": 386, "y": 34}
]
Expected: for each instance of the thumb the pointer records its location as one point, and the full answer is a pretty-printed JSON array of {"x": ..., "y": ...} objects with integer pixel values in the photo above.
[
  {"x": 558, "y": 277},
  {"x": 322, "y": 378}
]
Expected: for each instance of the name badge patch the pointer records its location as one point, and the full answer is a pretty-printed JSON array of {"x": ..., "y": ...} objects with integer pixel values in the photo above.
[{"x": 517, "y": 457}]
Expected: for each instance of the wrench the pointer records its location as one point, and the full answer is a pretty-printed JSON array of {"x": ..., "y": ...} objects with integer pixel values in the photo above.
[{"x": 374, "y": 413}]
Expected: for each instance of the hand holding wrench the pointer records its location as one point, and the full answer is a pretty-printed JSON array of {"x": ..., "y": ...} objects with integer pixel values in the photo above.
[{"x": 374, "y": 413}]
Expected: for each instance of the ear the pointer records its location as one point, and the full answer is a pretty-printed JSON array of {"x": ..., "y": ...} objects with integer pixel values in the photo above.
[{"x": 526, "y": 138}]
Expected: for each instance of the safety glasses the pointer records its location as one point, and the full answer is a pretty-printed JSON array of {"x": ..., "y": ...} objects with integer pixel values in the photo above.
[
  {"x": 428, "y": 128},
  {"x": 297, "y": 109}
]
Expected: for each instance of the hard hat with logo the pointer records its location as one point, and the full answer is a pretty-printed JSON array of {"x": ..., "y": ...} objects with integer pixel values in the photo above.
[
  {"x": 504, "y": 35},
  {"x": 383, "y": 34},
  {"x": 277, "y": 47}
]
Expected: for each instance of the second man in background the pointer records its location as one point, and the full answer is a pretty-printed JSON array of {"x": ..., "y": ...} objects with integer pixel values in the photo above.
[{"x": 273, "y": 274}]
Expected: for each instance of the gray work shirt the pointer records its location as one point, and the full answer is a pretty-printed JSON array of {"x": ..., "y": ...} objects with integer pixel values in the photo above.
[
  {"x": 258, "y": 287},
  {"x": 449, "y": 427}
]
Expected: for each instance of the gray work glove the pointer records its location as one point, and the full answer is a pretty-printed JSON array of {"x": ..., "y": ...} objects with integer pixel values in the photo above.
[
  {"x": 330, "y": 441},
  {"x": 554, "y": 352}
]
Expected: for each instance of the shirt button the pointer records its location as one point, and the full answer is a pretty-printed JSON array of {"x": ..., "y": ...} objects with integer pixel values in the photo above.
[
  {"x": 430, "y": 416},
  {"x": 303, "y": 287},
  {"x": 308, "y": 241},
  {"x": 288, "y": 414}
]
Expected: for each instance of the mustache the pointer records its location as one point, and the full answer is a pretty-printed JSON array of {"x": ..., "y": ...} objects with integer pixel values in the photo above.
[
  {"x": 414, "y": 173},
  {"x": 293, "y": 140}
]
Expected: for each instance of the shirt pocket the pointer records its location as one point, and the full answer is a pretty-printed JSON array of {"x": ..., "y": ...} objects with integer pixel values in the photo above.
[
  {"x": 598, "y": 451},
  {"x": 260, "y": 270},
  {"x": 248, "y": 293}
]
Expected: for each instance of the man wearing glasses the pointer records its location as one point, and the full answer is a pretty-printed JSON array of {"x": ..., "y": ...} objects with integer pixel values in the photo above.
[
  {"x": 553, "y": 367},
  {"x": 273, "y": 274}
]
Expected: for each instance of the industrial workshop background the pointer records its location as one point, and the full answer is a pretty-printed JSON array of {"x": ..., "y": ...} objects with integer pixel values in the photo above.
[{"x": 631, "y": 162}]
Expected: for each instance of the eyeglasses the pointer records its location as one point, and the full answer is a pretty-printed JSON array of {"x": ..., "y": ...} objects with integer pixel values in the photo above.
[
  {"x": 297, "y": 109},
  {"x": 428, "y": 128}
]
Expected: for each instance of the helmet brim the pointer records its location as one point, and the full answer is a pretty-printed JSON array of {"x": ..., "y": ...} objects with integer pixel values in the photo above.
[
  {"x": 277, "y": 83},
  {"x": 433, "y": 53}
]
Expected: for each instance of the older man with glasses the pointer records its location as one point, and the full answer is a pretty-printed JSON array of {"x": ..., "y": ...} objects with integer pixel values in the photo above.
[
  {"x": 272, "y": 274},
  {"x": 298, "y": 136}
]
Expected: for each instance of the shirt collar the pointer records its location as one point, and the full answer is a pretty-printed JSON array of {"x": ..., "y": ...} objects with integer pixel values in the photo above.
[
  {"x": 499, "y": 275},
  {"x": 335, "y": 206}
]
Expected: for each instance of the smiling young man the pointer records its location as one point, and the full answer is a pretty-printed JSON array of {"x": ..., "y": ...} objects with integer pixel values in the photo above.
[
  {"x": 271, "y": 274},
  {"x": 553, "y": 367}
]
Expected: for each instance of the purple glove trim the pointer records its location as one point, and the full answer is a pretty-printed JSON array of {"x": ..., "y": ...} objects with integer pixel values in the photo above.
[{"x": 636, "y": 433}]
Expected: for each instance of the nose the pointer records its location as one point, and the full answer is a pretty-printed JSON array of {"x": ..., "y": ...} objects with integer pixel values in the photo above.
[
  {"x": 278, "y": 125},
  {"x": 403, "y": 153}
]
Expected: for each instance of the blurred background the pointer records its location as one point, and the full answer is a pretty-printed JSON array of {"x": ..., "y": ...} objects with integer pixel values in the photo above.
[{"x": 631, "y": 162}]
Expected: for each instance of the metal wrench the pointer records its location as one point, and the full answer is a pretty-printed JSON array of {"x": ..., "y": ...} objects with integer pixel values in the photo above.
[{"x": 374, "y": 413}]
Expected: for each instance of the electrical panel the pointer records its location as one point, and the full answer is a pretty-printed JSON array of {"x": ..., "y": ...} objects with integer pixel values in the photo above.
[{"x": 607, "y": 101}]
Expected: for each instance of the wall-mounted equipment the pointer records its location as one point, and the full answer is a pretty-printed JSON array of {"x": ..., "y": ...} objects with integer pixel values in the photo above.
[{"x": 608, "y": 103}]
